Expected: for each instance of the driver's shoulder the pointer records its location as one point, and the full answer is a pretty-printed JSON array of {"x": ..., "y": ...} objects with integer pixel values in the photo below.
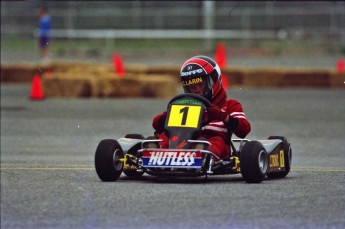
[{"x": 230, "y": 103}]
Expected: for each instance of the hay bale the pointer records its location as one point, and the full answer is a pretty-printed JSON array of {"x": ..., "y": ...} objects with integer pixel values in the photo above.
[
  {"x": 155, "y": 70},
  {"x": 305, "y": 78},
  {"x": 117, "y": 87},
  {"x": 337, "y": 80},
  {"x": 235, "y": 76},
  {"x": 80, "y": 68},
  {"x": 62, "y": 85},
  {"x": 263, "y": 77},
  {"x": 158, "y": 86},
  {"x": 136, "y": 69},
  {"x": 165, "y": 70},
  {"x": 62, "y": 66},
  {"x": 135, "y": 86},
  {"x": 82, "y": 73},
  {"x": 19, "y": 73},
  {"x": 287, "y": 77}
]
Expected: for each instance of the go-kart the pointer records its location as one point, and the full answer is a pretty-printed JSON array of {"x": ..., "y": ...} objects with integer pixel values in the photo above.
[{"x": 187, "y": 155}]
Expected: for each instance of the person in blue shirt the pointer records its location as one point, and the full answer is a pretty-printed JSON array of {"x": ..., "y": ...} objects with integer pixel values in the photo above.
[{"x": 44, "y": 29}]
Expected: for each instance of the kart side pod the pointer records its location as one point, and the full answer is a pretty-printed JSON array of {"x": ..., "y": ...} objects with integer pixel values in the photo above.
[
  {"x": 279, "y": 156},
  {"x": 260, "y": 158}
]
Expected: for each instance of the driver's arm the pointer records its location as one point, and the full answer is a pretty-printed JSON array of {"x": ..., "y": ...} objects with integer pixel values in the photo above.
[
  {"x": 236, "y": 121},
  {"x": 234, "y": 118}
]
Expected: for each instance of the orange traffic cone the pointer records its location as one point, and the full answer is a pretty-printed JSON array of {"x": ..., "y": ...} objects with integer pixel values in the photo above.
[
  {"x": 36, "y": 89},
  {"x": 220, "y": 55},
  {"x": 225, "y": 81},
  {"x": 118, "y": 65},
  {"x": 220, "y": 58},
  {"x": 340, "y": 65}
]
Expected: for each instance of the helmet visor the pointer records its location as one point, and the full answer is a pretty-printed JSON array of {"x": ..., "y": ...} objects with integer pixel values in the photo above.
[{"x": 196, "y": 85}]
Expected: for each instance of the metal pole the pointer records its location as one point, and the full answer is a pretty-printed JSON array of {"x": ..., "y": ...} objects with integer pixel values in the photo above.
[{"x": 208, "y": 15}]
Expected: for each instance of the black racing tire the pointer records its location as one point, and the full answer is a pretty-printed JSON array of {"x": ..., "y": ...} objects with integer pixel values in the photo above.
[
  {"x": 107, "y": 160},
  {"x": 253, "y": 162},
  {"x": 287, "y": 158}
]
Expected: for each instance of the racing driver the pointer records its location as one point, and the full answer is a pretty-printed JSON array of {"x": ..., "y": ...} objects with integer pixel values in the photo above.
[{"x": 201, "y": 75}]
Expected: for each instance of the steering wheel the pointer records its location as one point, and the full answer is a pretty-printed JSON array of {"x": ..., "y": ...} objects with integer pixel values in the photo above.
[{"x": 203, "y": 100}]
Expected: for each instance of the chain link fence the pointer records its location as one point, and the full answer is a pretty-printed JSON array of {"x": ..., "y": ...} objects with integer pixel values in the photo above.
[
  {"x": 288, "y": 19},
  {"x": 296, "y": 25}
]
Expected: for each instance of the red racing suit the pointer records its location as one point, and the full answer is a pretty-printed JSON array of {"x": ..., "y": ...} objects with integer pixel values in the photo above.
[{"x": 216, "y": 132}]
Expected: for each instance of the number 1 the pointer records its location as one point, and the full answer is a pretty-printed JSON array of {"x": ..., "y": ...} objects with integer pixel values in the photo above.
[{"x": 184, "y": 117}]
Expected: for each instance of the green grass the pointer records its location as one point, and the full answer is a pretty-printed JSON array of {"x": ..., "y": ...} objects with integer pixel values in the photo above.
[
  {"x": 17, "y": 43},
  {"x": 65, "y": 46}
]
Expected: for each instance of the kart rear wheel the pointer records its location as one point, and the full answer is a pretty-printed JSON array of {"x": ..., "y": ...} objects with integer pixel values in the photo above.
[
  {"x": 253, "y": 162},
  {"x": 107, "y": 160},
  {"x": 287, "y": 158}
]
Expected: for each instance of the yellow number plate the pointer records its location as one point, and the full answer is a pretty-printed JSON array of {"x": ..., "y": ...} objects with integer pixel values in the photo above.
[{"x": 184, "y": 116}]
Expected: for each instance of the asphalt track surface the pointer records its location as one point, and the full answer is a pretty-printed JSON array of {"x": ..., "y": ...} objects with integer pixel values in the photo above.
[{"x": 48, "y": 178}]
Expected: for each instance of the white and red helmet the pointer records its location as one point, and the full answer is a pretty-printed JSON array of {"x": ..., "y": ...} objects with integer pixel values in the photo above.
[{"x": 202, "y": 69}]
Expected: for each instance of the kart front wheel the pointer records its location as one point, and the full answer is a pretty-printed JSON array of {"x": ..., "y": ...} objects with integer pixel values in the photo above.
[
  {"x": 108, "y": 160},
  {"x": 253, "y": 162}
]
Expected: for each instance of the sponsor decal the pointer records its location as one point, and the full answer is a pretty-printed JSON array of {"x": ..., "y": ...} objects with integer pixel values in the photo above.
[
  {"x": 191, "y": 81},
  {"x": 274, "y": 160},
  {"x": 282, "y": 162},
  {"x": 193, "y": 72},
  {"x": 178, "y": 158},
  {"x": 188, "y": 101}
]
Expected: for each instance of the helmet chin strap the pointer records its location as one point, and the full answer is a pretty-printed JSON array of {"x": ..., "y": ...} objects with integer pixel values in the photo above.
[{"x": 208, "y": 96}]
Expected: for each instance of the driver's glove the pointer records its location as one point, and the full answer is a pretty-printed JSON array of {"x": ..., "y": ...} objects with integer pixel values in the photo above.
[
  {"x": 159, "y": 122},
  {"x": 214, "y": 113}
]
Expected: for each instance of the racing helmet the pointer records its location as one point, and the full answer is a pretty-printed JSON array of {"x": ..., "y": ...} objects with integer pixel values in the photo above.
[{"x": 201, "y": 75}]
